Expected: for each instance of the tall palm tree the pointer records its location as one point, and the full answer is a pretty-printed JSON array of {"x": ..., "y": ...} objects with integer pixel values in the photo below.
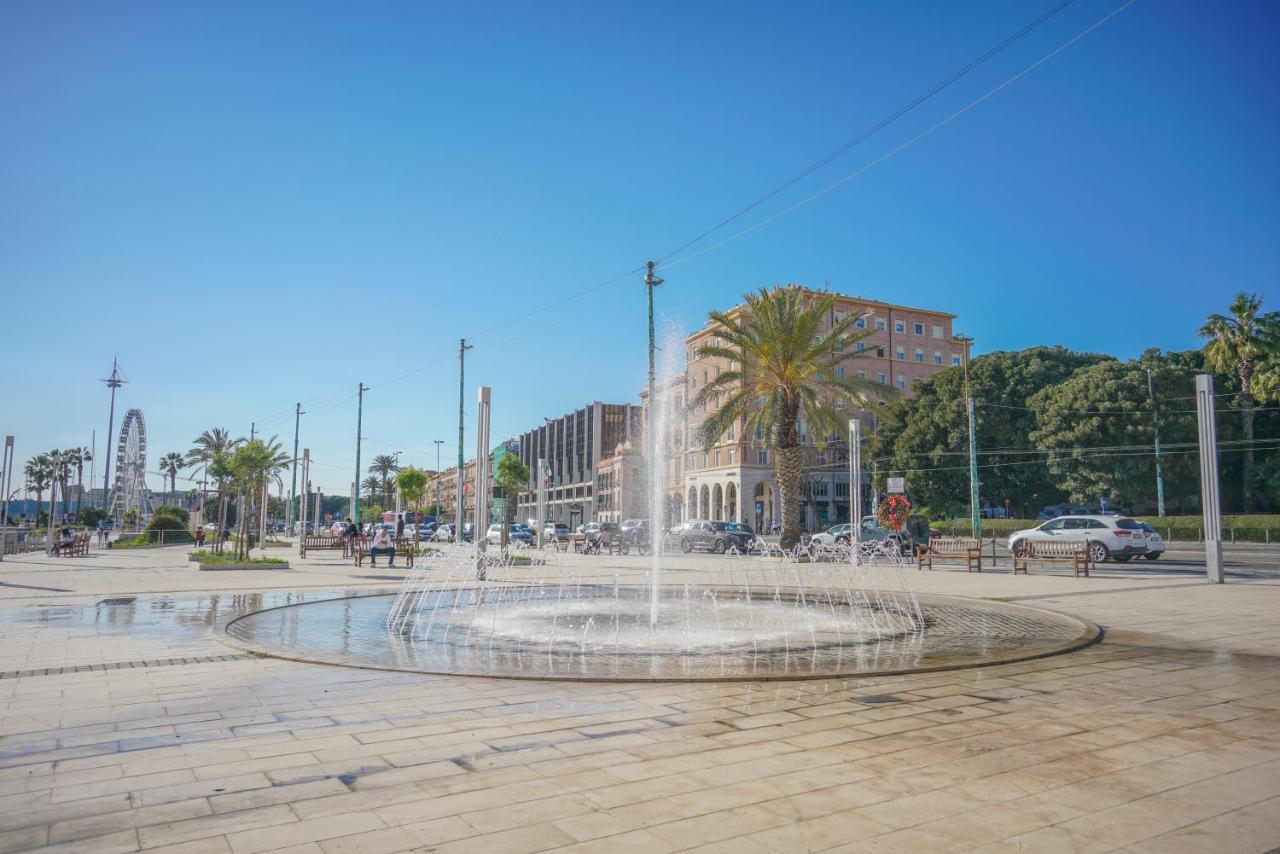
[
  {"x": 170, "y": 464},
  {"x": 782, "y": 367},
  {"x": 60, "y": 462},
  {"x": 79, "y": 458},
  {"x": 384, "y": 466},
  {"x": 1237, "y": 344},
  {"x": 213, "y": 449},
  {"x": 39, "y": 472},
  {"x": 371, "y": 486},
  {"x": 252, "y": 466}
]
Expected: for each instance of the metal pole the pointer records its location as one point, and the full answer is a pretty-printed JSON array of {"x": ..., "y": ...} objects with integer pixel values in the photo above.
[
  {"x": 541, "y": 483},
  {"x": 975, "y": 519},
  {"x": 53, "y": 498},
  {"x": 855, "y": 485},
  {"x": 113, "y": 382},
  {"x": 6, "y": 466},
  {"x": 650, "y": 282},
  {"x": 481, "y": 517},
  {"x": 397, "y": 485},
  {"x": 293, "y": 481},
  {"x": 438, "y": 442},
  {"x": 306, "y": 488},
  {"x": 1209, "y": 495},
  {"x": 355, "y": 492},
  {"x": 1155, "y": 425},
  {"x": 460, "y": 497}
]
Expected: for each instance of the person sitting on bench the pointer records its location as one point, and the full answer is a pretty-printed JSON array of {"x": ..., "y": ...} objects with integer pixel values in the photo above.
[{"x": 382, "y": 545}]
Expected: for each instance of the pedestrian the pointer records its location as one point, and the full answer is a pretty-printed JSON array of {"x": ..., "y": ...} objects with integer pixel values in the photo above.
[
  {"x": 200, "y": 537},
  {"x": 382, "y": 545},
  {"x": 350, "y": 531}
]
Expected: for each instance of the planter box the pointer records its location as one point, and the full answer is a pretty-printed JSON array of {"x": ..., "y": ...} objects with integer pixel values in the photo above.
[{"x": 210, "y": 567}]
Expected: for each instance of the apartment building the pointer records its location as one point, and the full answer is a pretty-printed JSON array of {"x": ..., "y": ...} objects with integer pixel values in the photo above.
[
  {"x": 734, "y": 480},
  {"x": 573, "y": 446},
  {"x": 674, "y": 430}
]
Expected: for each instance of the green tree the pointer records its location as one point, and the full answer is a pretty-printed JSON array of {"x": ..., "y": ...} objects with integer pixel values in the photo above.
[
  {"x": 783, "y": 368},
  {"x": 1097, "y": 431},
  {"x": 91, "y": 517},
  {"x": 253, "y": 464},
  {"x": 170, "y": 464},
  {"x": 39, "y": 474},
  {"x": 213, "y": 449},
  {"x": 371, "y": 487},
  {"x": 926, "y": 437},
  {"x": 511, "y": 477},
  {"x": 412, "y": 484},
  {"x": 384, "y": 466},
  {"x": 1239, "y": 343}
]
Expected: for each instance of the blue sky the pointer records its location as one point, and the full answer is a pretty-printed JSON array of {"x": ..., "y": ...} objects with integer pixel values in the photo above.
[{"x": 254, "y": 204}]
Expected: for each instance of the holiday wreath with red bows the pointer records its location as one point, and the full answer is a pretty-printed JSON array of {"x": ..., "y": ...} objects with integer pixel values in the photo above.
[{"x": 892, "y": 512}]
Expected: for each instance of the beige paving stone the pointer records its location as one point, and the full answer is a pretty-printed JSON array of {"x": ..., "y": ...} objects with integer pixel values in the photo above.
[
  {"x": 215, "y": 825},
  {"x": 297, "y": 833}
]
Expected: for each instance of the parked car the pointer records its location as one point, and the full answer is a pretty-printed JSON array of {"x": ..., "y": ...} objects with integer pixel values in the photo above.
[
  {"x": 516, "y": 534},
  {"x": 629, "y": 524},
  {"x": 1108, "y": 537},
  {"x": 872, "y": 530},
  {"x": 716, "y": 537},
  {"x": 443, "y": 533},
  {"x": 1155, "y": 542},
  {"x": 553, "y": 531},
  {"x": 637, "y": 536},
  {"x": 835, "y": 535}
]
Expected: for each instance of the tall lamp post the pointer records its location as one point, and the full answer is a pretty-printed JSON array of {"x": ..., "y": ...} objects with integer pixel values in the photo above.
[
  {"x": 438, "y": 443},
  {"x": 975, "y": 521}
]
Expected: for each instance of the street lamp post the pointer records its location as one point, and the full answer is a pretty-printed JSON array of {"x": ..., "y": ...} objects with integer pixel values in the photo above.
[
  {"x": 975, "y": 522},
  {"x": 438, "y": 443},
  {"x": 1155, "y": 426}
]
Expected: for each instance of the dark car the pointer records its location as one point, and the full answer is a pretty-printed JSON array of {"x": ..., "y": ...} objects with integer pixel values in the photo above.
[{"x": 715, "y": 537}]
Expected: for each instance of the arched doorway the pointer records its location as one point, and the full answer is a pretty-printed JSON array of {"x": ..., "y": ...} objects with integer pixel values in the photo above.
[
  {"x": 704, "y": 504},
  {"x": 717, "y": 503},
  {"x": 691, "y": 509},
  {"x": 731, "y": 502}
]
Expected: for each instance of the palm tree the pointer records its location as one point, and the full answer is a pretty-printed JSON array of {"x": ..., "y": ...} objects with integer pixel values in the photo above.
[
  {"x": 1237, "y": 344},
  {"x": 39, "y": 471},
  {"x": 252, "y": 466},
  {"x": 370, "y": 486},
  {"x": 384, "y": 465},
  {"x": 60, "y": 474},
  {"x": 213, "y": 449},
  {"x": 79, "y": 457},
  {"x": 170, "y": 464},
  {"x": 782, "y": 368}
]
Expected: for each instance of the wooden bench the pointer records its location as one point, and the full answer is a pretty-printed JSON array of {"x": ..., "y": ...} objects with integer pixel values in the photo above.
[
  {"x": 404, "y": 549},
  {"x": 1054, "y": 551},
  {"x": 967, "y": 549},
  {"x": 320, "y": 542},
  {"x": 77, "y": 545}
]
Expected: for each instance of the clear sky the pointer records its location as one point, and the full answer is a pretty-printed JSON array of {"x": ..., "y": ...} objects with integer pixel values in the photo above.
[{"x": 258, "y": 203}]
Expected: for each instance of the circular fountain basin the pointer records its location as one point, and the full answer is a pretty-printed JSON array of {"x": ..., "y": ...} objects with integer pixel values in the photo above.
[{"x": 710, "y": 634}]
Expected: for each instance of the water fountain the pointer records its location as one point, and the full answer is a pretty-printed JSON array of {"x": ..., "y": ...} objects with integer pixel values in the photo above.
[{"x": 545, "y": 614}]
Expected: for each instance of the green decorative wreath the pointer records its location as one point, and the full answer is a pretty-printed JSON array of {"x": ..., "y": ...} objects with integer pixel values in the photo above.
[{"x": 892, "y": 513}]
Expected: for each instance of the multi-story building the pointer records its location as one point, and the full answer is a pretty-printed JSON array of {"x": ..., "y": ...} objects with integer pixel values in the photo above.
[
  {"x": 573, "y": 447},
  {"x": 621, "y": 485},
  {"x": 733, "y": 479},
  {"x": 445, "y": 485}
]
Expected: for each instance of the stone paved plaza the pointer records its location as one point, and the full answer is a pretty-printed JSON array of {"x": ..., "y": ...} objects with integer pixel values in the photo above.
[{"x": 127, "y": 725}]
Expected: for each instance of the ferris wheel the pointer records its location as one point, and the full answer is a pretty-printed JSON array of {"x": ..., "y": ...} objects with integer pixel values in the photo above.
[{"x": 131, "y": 467}]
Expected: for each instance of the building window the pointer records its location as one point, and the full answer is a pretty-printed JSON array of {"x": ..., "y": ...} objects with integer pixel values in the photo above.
[
  {"x": 860, "y": 346},
  {"x": 902, "y": 383},
  {"x": 902, "y": 354},
  {"x": 861, "y": 322},
  {"x": 919, "y": 328},
  {"x": 862, "y": 375},
  {"x": 759, "y": 433},
  {"x": 762, "y": 457},
  {"x": 704, "y": 459},
  {"x": 937, "y": 357},
  {"x": 955, "y": 360},
  {"x": 839, "y": 373},
  {"x": 899, "y": 326},
  {"x": 880, "y": 378},
  {"x": 919, "y": 355},
  {"x": 937, "y": 330},
  {"x": 731, "y": 456},
  {"x": 879, "y": 352},
  {"x": 880, "y": 324}
]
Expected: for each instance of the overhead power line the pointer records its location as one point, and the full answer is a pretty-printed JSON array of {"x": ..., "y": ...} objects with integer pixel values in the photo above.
[
  {"x": 869, "y": 132},
  {"x": 904, "y": 146}
]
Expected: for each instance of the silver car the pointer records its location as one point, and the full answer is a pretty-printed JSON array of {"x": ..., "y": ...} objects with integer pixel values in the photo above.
[{"x": 1108, "y": 537}]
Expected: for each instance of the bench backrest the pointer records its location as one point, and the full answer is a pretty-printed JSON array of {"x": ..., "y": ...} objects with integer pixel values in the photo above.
[
  {"x": 953, "y": 545},
  {"x": 1058, "y": 548}
]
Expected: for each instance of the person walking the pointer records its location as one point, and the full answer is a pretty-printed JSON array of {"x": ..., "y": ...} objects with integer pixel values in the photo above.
[
  {"x": 200, "y": 537},
  {"x": 350, "y": 531}
]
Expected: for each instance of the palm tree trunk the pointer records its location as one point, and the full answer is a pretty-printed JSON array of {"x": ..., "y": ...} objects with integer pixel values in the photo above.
[
  {"x": 789, "y": 466},
  {"x": 79, "y": 486}
]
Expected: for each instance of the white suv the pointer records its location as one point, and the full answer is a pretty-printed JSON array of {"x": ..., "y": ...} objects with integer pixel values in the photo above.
[{"x": 1108, "y": 536}]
